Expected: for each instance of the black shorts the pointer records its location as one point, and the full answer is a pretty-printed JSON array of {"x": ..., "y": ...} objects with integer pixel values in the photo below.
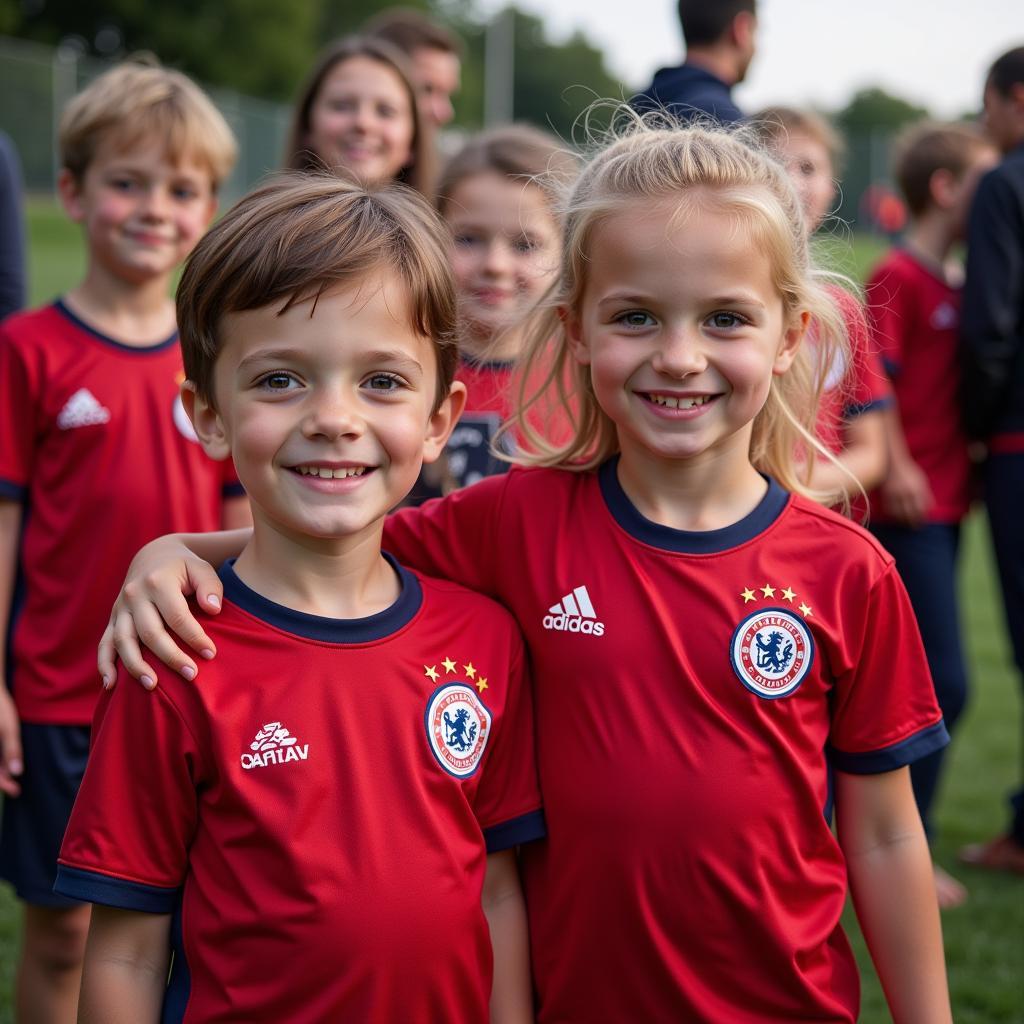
[{"x": 33, "y": 823}]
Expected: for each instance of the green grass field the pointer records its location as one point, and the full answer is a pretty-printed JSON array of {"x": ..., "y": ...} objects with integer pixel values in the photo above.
[{"x": 983, "y": 938}]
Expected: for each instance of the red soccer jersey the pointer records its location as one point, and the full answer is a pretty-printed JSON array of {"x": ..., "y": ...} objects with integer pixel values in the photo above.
[
  {"x": 488, "y": 405},
  {"x": 317, "y": 809},
  {"x": 95, "y": 441},
  {"x": 915, "y": 315},
  {"x": 694, "y": 693},
  {"x": 854, "y": 386}
]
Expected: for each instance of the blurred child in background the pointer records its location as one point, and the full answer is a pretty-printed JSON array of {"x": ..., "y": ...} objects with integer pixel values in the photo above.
[
  {"x": 851, "y": 417},
  {"x": 96, "y": 456},
  {"x": 497, "y": 196},
  {"x": 357, "y": 114},
  {"x": 993, "y": 395},
  {"x": 913, "y": 303}
]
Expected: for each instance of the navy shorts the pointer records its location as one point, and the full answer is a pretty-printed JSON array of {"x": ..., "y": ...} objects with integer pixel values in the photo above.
[{"x": 33, "y": 824}]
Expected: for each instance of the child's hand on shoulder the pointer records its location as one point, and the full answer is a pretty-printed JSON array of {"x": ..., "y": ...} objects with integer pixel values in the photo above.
[{"x": 152, "y": 603}]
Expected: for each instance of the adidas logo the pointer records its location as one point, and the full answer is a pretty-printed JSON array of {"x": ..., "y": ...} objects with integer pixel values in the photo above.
[
  {"x": 274, "y": 745},
  {"x": 574, "y": 614},
  {"x": 82, "y": 410}
]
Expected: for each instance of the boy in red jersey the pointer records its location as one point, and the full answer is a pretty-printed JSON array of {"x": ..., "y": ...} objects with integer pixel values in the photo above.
[
  {"x": 352, "y": 778},
  {"x": 916, "y": 513},
  {"x": 96, "y": 454}
]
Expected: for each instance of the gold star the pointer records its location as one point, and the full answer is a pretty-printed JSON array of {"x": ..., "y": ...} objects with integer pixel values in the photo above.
[
  {"x": 789, "y": 594},
  {"x": 469, "y": 670},
  {"x": 804, "y": 610},
  {"x": 768, "y": 590},
  {"x": 431, "y": 670},
  {"x": 449, "y": 665},
  {"x": 747, "y": 595},
  {"x": 481, "y": 684}
]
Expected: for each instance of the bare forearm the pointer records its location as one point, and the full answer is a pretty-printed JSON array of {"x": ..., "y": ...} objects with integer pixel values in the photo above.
[
  {"x": 511, "y": 996},
  {"x": 893, "y": 892},
  {"x": 906, "y": 947},
  {"x": 216, "y": 547},
  {"x": 10, "y": 532},
  {"x": 118, "y": 992}
]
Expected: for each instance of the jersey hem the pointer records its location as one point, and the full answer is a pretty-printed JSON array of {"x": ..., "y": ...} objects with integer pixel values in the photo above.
[
  {"x": 524, "y": 829},
  {"x": 92, "y": 887},
  {"x": 232, "y": 491},
  {"x": 9, "y": 489},
  {"x": 856, "y": 409},
  {"x": 873, "y": 762}
]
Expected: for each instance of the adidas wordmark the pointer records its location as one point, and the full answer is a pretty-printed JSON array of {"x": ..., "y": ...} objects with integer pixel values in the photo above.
[{"x": 574, "y": 614}]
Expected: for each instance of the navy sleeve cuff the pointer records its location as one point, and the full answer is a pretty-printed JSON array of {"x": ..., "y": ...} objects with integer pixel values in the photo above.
[
  {"x": 859, "y": 408},
  {"x": 888, "y": 759},
  {"x": 235, "y": 490},
  {"x": 92, "y": 887},
  {"x": 524, "y": 829},
  {"x": 9, "y": 489}
]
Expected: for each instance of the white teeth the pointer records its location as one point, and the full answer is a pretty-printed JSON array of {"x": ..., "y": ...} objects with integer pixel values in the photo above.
[
  {"x": 326, "y": 473},
  {"x": 679, "y": 403}
]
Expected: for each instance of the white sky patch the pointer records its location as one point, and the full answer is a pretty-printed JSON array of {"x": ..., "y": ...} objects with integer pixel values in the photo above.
[{"x": 815, "y": 52}]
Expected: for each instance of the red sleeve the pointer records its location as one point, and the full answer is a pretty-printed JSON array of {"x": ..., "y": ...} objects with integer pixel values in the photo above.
[
  {"x": 866, "y": 387},
  {"x": 127, "y": 842},
  {"x": 454, "y": 538},
  {"x": 884, "y": 712},
  {"x": 886, "y": 313},
  {"x": 507, "y": 801},
  {"x": 20, "y": 387}
]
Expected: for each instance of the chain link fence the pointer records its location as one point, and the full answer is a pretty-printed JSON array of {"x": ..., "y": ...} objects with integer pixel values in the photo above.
[{"x": 37, "y": 81}]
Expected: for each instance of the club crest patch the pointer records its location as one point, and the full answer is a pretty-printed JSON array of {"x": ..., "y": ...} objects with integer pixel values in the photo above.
[
  {"x": 771, "y": 652},
  {"x": 458, "y": 727}
]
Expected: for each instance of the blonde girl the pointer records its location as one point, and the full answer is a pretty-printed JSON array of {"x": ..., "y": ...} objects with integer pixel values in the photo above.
[{"x": 719, "y": 661}]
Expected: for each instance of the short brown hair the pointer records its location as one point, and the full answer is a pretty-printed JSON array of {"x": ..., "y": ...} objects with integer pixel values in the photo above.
[
  {"x": 421, "y": 171},
  {"x": 410, "y": 30},
  {"x": 774, "y": 125},
  {"x": 704, "y": 22},
  {"x": 136, "y": 101},
  {"x": 929, "y": 147},
  {"x": 302, "y": 234},
  {"x": 516, "y": 151}
]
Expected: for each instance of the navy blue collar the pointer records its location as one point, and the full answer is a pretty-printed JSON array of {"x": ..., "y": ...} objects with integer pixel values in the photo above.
[
  {"x": 318, "y": 627},
  {"x": 159, "y": 346},
  {"x": 691, "y": 542}
]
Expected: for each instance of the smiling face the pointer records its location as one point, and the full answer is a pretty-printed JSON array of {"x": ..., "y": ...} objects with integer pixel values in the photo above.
[
  {"x": 437, "y": 73},
  {"x": 142, "y": 212},
  {"x": 682, "y": 329},
  {"x": 809, "y": 166},
  {"x": 506, "y": 251},
  {"x": 327, "y": 410},
  {"x": 361, "y": 119}
]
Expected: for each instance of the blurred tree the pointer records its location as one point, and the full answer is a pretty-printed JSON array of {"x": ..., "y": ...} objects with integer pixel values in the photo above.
[
  {"x": 261, "y": 47},
  {"x": 556, "y": 82},
  {"x": 875, "y": 109}
]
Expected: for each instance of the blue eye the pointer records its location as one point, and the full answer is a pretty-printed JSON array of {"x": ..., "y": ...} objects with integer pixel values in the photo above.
[
  {"x": 635, "y": 318},
  {"x": 384, "y": 382}
]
